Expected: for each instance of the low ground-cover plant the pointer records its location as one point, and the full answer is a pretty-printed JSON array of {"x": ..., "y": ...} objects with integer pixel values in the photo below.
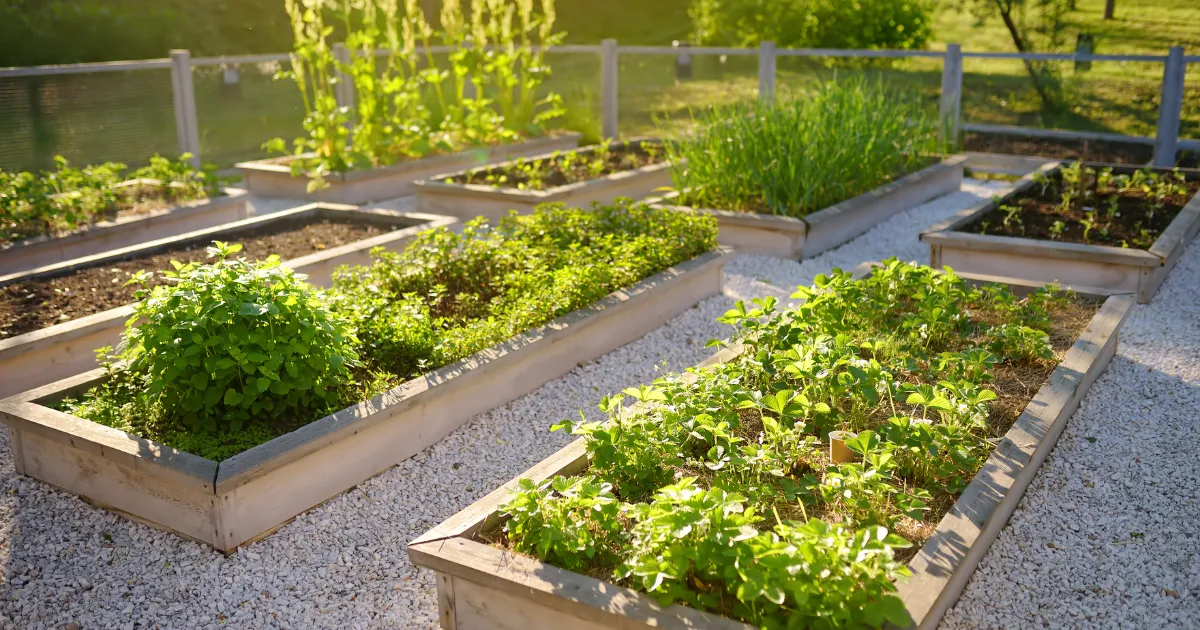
[
  {"x": 231, "y": 354},
  {"x": 566, "y": 167},
  {"x": 448, "y": 294},
  {"x": 53, "y": 202},
  {"x": 800, "y": 154},
  {"x": 1087, "y": 204},
  {"x": 721, "y": 478},
  {"x": 406, "y": 104}
]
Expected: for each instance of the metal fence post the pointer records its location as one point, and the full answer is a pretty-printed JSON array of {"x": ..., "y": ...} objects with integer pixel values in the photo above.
[
  {"x": 344, "y": 91},
  {"x": 951, "y": 103},
  {"x": 683, "y": 61},
  {"x": 1166, "y": 138},
  {"x": 608, "y": 87},
  {"x": 766, "y": 71},
  {"x": 187, "y": 129}
]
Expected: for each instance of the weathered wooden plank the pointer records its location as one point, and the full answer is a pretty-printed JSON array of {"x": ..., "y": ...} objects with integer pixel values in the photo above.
[
  {"x": 140, "y": 489},
  {"x": 841, "y": 222},
  {"x": 1005, "y": 164},
  {"x": 483, "y": 574},
  {"x": 1057, "y": 250},
  {"x": 1088, "y": 276},
  {"x": 790, "y": 237}
]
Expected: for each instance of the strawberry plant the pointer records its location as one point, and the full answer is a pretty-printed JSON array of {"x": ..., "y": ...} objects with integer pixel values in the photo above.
[{"x": 722, "y": 473}]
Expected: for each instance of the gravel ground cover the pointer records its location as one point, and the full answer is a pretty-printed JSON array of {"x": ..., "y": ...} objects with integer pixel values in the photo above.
[{"x": 343, "y": 565}]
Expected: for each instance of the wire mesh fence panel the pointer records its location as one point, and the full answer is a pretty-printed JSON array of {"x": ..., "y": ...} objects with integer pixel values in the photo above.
[
  {"x": 576, "y": 78},
  {"x": 239, "y": 107},
  {"x": 1101, "y": 96},
  {"x": 655, "y": 95},
  {"x": 86, "y": 118},
  {"x": 920, "y": 77},
  {"x": 1189, "y": 123}
]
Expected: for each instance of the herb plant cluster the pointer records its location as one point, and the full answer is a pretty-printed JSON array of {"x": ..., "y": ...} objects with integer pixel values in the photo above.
[
  {"x": 1083, "y": 204},
  {"x": 714, "y": 487},
  {"x": 566, "y": 167},
  {"x": 409, "y": 103},
  {"x": 231, "y": 354},
  {"x": 52, "y": 202},
  {"x": 800, "y": 154}
]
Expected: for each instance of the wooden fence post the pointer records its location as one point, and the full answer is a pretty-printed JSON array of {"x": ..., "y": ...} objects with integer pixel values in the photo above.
[
  {"x": 951, "y": 103},
  {"x": 766, "y": 71},
  {"x": 1166, "y": 138},
  {"x": 608, "y": 88},
  {"x": 187, "y": 129}
]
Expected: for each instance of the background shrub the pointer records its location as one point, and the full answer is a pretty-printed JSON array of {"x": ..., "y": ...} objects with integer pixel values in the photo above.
[{"x": 887, "y": 24}]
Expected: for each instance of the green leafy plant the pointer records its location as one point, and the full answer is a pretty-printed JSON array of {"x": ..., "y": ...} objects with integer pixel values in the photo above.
[
  {"x": 730, "y": 503},
  {"x": 801, "y": 154},
  {"x": 67, "y": 198},
  {"x": 571, "y": 522},
  {"x": 566, "y": 167},
  {"x": 235, "y": 340},
  {"x": 450, "y": 294}
]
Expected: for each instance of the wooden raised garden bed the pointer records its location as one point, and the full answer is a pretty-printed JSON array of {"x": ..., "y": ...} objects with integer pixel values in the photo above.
[
  {"x": 273, "y": 177},
  {"x": 124, "y": 231},
  {"x": 64, "y": 349},
  {"x": 958, "y": 243},
  {"x": 481, "y": 585},
  {"x": 794, "y": 238},
  {"x": 491, "y": 191},
  {"x": 251, "y": 494}
]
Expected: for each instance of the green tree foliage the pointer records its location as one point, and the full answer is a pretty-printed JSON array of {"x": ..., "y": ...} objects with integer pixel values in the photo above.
[
  {"x": 35, "y": 32},
  {"x": 886, "y": 24}
]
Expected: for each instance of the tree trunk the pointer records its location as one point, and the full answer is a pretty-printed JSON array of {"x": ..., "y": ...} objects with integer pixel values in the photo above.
[
  {"x": 1109, "y": 7},
  {"x": 1034, "y": 75}
]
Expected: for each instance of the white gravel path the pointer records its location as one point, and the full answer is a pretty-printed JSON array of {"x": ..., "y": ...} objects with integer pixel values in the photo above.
[
  {"x": 343, "y": 565},
  {"x": 1108, "y": 533}
]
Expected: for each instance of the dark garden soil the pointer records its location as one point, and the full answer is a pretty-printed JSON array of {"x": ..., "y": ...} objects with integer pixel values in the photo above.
[
  {"x": 567, "y": 168},
  {"x": 1136, "y": 223},
  {"x": 1090, "y": 150},
  {"x": 34, "y": 304}
]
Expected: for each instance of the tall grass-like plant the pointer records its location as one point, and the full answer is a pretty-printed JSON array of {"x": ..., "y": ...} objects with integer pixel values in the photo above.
[
  {"x": 406, "y": 104},
  {"x": 805, "y": 152}
]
